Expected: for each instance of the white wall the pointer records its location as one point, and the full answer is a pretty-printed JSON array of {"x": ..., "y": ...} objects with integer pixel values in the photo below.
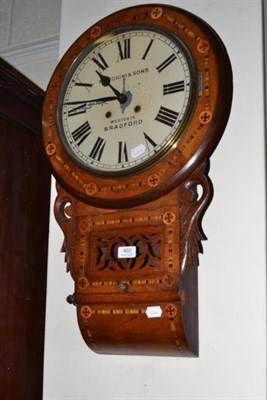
[{"x": 232, "y": 275}]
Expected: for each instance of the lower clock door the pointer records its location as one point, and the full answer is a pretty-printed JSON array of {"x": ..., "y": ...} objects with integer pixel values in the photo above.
[{"x": 140, "y": 329}]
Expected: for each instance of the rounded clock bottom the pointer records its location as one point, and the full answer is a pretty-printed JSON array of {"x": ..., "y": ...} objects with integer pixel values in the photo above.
[{"x": 136, "y": 329}]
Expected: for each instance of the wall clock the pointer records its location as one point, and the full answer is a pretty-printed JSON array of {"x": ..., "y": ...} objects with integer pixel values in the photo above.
[{"x": 131, "y": 116}]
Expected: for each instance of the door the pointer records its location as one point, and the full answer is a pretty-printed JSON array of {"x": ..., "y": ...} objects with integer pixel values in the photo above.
[{"x": 24, "y": 217}]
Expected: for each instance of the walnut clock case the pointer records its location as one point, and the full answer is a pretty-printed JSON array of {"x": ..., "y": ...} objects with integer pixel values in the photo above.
[{"x": 131, "y": 116}]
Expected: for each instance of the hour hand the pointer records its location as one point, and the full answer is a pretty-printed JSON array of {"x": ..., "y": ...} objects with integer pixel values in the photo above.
[{"x": 105, "y": 81}]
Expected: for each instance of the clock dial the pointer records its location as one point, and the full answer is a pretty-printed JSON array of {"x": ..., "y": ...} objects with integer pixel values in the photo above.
[{"x": 125, "y": 100}]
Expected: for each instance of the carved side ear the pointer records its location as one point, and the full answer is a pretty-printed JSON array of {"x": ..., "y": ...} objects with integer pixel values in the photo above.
[
  {"x": 192, "y": 209},
  {"x": 63, "y": 210}
]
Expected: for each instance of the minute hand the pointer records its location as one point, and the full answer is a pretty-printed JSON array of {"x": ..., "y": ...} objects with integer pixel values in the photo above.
[{"x": 86, "y": 102}]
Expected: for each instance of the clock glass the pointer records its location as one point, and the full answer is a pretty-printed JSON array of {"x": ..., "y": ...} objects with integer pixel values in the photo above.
[{"x": 126, "y": 100}]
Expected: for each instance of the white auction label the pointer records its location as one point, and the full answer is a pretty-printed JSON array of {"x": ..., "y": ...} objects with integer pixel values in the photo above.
[
  {"x": 127, "y": 252},
  {"x": 154, "y": 312},
  {"x": 138, "y": 150}
]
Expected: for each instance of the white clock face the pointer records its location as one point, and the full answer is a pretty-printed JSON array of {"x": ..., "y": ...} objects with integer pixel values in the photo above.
[{"x": 124, "y": 103}]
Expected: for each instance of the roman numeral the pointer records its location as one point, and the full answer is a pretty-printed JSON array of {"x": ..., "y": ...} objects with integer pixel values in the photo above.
[
  {"x": 173, "y": 87},
  {"x": 124, "y": 49},
  {"x": 166, "y": 116},
  {"x": 147, "y": 49},
  {"x": 81, "y": 133},
  {"x": 123, "y": 154},
  {"x": 98, "y": 148},
  {"x": 149, "y": 140},
  {"x": 83, "y": 84},
  {"x": 100, "y": 61},
  {"x": 166, "y": 63}
]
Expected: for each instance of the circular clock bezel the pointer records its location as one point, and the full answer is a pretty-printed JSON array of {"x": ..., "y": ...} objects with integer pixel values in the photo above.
[
  {"x": 175, "y": 136},
  {"x": 201, "y": 134}
]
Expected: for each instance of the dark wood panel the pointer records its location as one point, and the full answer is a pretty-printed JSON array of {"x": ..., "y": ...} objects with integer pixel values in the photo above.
[
  {"x": 24, "y": 201},
  {"x": 20, "y": 99}
]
